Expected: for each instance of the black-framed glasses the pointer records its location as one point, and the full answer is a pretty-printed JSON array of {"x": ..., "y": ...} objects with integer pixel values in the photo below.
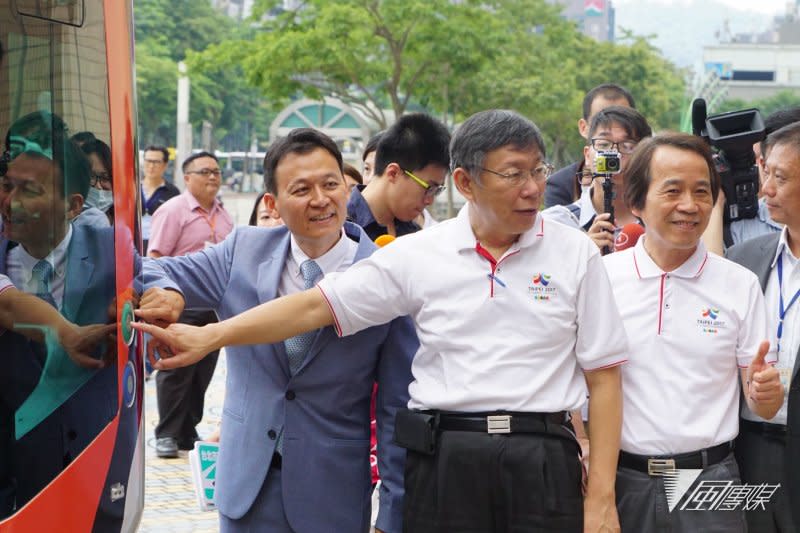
[
  {"x": 102, "y": 178},
  {"x": 206, "y": 172},
  {"x": 518, "y": 177},
  {"x": 154, "y": 162},
  {"x": 624, "y": 147},
  {"x": 431, "y": 190}
]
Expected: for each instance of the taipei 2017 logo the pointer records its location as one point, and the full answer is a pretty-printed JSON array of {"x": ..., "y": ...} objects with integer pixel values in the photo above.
[
  {"x": 710, "y": 321},
  {"x": 542, "y": 279},
  {"x": 540, "y": 290}
]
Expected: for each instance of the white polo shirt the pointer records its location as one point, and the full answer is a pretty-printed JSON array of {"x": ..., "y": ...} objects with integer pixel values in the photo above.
[
  {"x": 5, "y": 283},
  {"x": 515, "y": 336},
  {"x": 689, "y": 331},
  {"x": 790, "y": 338}
]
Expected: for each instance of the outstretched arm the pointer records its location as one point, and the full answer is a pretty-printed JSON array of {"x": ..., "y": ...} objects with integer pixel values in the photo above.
[
  {"x": 30, "y": 316},
  {"x": 267, "y": 323}
]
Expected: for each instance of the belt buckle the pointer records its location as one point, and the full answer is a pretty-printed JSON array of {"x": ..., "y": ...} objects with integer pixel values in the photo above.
[
  {"x": 498, "y": 424},
  {"x": 658, "y": 467}
]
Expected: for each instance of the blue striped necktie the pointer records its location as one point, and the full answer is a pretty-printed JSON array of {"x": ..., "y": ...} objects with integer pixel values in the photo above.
[
  {"x": 43, "y": 273},
  {"x": 297, "y": 347}
]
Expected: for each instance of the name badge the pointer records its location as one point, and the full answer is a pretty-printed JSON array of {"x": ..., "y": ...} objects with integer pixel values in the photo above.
[{"x": 786, "y": 377}]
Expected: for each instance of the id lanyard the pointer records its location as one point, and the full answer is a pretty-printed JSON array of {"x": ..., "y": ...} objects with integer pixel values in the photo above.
[
  {"x": 781, "y": 309},
  {"x": 212, "y": 223}
]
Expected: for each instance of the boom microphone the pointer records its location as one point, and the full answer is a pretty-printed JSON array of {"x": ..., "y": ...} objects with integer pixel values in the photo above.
[
  {"x": 628, "y": 236},
  {"x": 383, "y": 240}
]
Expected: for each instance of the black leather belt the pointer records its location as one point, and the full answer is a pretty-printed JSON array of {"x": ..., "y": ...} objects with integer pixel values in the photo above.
[
  {"x": 277, "y": 461},
  {"x": 764, "y": 428},
  {"x": 501, "y": 422},
  {"x": 656, "y": 465}
]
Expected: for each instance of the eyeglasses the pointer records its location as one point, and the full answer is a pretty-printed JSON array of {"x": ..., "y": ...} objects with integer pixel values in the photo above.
[
  {"x": 154, "y": 162},
  {"x": 623, "y": 147},
  {"x": 100, "y": 177},
  {"x": 431, "y": 190},
  {"x": 206, "y": 172},
  {"x": 518, "y": 177}
]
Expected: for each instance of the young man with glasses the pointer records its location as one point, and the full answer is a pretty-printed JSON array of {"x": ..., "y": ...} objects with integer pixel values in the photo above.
[
  {"x": 615, "y": 128},
  {"x": 188, "y": 223},
  {"x": 155, "y": 190},
  {"x": 410, "y": 169},
  {"x": 564, "y": 186},
  {"x": 515, "y": 318}
]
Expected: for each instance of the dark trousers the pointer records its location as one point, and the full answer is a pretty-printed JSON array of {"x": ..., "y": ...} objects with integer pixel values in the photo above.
[
  {"x": 482, "y": 483},
  {"x": 762, "y": 459},
  {"x": 642, "y": 503},
  {"x": 181, "y": 392}
]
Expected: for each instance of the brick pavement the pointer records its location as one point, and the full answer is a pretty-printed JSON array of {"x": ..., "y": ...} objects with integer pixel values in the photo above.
[{"x": 170, "y": 504}]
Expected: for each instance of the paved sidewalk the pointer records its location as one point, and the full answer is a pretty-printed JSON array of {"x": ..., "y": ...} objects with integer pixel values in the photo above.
[{"x": 169, "y": 500}]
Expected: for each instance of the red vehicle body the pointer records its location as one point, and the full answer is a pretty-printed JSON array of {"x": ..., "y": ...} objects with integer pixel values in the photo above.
[{"x": 73, "y": 60}]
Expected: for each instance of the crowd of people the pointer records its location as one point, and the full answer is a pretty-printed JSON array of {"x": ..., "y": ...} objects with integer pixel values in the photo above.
[{"x": 529, "y": 365}]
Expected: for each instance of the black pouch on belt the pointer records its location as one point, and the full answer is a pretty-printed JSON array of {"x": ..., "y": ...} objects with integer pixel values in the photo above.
[{"x": 415, "y": 431}]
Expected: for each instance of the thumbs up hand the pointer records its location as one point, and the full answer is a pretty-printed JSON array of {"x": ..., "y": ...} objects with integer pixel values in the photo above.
[{"x": 763, "y": 389}]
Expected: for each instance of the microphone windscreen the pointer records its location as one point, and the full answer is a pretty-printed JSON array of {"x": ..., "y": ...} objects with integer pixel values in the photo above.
[
  {"x": 628, "y": 236},
  {"x": 383, "y": 240}
]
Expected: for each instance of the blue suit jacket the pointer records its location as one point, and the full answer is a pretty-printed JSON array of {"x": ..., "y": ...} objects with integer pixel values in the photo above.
[
  {"x": 757, "y": 255},
  {"x": 324, "y": 408},
  {"x": 67, "y": 405}
]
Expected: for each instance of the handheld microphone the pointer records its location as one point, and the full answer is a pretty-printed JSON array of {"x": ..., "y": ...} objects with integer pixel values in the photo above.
[
  {"x": 628, "y": 236},
  {"x": 383, "y": 240},
  {"x": 699, "y": 114}
]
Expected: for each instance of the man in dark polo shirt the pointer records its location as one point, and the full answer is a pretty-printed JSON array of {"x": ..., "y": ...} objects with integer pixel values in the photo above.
[{"x": 410, "y": 168}]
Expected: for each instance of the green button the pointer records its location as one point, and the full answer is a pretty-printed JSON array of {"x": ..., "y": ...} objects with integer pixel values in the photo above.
[{"x": 127, "y": 318}]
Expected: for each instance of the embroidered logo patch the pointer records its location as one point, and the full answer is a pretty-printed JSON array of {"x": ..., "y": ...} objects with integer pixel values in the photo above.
[
  {"x": 540, "y": 291},
  {"x": 710, "y": 321}
]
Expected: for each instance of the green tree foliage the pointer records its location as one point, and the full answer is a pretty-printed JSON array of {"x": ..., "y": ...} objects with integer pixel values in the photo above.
[
  {"x": 767, "y": 106},
  {"x": 169, "y": 31},
  {"x": 448, "y": 58}
]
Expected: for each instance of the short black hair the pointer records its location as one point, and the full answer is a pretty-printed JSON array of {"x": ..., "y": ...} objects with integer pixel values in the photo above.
[
  {"x": 299, "y": 141},
  {"x": 413, "y": 142},
  {"x": 48, "y": 131},
  {"x": 789, "y": 134},
  {"x": 102, "y": 150},
  {"x": 633, "y": 122},
  {"x": 777, "y": 120},
  {"x": 83, "y": 137},
  {"x": 158, "y": 148},
  {"x": 196, "y": 156},
  {"x": 609, "y": 91},
  {"x": 353, "y": 172},
  {"x": 638, "y": 174},
  {"x": 254, "y": 213},
  {"x": 372, "y": 145}
]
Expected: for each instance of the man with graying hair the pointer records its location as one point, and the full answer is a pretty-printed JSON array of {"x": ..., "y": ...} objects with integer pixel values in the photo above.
[{"x": 501, "y": 302}]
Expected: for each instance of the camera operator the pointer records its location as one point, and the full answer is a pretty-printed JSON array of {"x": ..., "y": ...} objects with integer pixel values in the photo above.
[
  {"x": 720, "y": 236},
  {"x": 615, "y": 130},
  {"x": 564, "y": 186}
]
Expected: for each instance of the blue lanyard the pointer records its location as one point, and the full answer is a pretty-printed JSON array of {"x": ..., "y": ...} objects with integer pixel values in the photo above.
[{"x": 783, "y": 310}]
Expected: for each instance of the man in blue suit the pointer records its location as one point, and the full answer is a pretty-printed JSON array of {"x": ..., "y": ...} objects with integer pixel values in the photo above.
[
  {"x": 294, "y": 442},
  {"x": 50, "y": 409}
]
